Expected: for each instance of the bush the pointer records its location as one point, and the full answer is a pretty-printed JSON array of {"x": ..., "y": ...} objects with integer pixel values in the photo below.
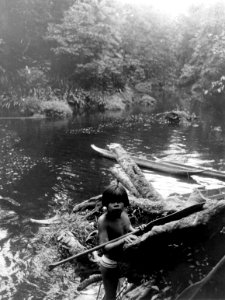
[
  {"x": 144, "y": 87},
  {"x": 56, "y": 109},
  {"x": 114, "y": 103},
  {"x": 83, "y": 99},
  {"x": 53, "y": 108},
  {"x": 31, "y": 105}
]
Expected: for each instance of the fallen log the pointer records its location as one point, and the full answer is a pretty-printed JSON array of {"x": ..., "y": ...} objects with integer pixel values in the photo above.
[
  {"x": 192, "y": 229},
  {"x": 124, "y": 179},
  {"x": 165, "y": 248},
  {"x": 87, "y": 204},
  {"x": 92, "y": 279},
  {"x": 67, "y": 241},
  {"x": 144, "y": 188},
  {"x": 54, "y": 220}
]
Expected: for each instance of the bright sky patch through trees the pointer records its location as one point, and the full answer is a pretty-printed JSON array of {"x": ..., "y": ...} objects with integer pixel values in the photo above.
[{"x": 172, "y": 7}]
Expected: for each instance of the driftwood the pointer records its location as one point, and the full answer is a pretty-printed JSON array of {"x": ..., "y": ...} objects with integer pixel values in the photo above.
[
  {"x": 68, "y": 242},
  {"x": 92, "y": 279},
  {"x": 149, "y": 201},
  {"x": 87, "y": 204},
  {"x": 121, "y": 176},
  {"x": 144, "y": 188},
  {"x": 54, "y": 220}
]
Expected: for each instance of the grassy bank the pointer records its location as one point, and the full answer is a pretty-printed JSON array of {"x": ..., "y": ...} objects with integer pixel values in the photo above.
[{"x": 55, "y": 104}]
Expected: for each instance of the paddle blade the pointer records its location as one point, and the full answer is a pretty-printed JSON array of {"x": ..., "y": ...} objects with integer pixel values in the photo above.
[{"x": 210, "y": 287}]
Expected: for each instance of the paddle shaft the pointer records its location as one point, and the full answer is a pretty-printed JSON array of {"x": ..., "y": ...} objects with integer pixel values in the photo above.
[{"x": 172, "y": 217}]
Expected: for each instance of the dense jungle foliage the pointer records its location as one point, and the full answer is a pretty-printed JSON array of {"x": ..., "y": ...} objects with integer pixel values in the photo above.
[{"x": 78, "y": 50}]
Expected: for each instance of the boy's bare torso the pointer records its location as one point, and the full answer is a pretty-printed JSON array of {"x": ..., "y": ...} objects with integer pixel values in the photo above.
[
  {"x": 112, "y": 228},
  {"x": 117, "y": 227}
]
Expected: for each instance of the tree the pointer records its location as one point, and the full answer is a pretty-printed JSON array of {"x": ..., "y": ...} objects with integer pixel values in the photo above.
[
  {"x": 148, "y": 45},
  {"x": 205, "y": 66},
  {"x": 87, "y": 44},
  {"x": 23, "y": 25}
]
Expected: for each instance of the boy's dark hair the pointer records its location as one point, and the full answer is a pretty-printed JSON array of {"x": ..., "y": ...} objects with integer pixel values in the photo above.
[{"x": 115, "y": 192}]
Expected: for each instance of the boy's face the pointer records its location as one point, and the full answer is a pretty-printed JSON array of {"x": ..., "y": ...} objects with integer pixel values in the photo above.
[{"x": 115, "y": 207}]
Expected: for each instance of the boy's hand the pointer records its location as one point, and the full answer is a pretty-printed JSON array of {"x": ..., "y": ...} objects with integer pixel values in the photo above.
[
  {"x": 130, "y": 239},
  {"x": 142, "y": 228}
]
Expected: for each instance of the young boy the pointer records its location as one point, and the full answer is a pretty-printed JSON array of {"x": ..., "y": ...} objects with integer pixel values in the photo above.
[{"x": 112, "y": 224}]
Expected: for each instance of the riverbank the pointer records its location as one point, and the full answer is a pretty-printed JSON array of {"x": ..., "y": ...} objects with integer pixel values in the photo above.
[{"x": 55, "y": 106}]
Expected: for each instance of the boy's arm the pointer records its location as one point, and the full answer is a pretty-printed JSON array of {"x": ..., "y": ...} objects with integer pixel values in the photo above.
[{"x": 130, "y": 227}]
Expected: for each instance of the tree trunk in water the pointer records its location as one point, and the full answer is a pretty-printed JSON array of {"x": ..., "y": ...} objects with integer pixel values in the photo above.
[
  {"x": 122, "y": 177},
  {"x": 144, "y": 188}
]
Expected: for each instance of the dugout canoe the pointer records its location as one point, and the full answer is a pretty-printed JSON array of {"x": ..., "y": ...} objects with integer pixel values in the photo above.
[
  {"x": 206, "y": 172},
  {"x": 152, "y": 165}
]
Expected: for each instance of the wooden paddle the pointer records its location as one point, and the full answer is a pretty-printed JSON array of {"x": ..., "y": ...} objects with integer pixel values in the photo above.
[
  {"x": 172, "y": 217},
  {"x": 195, "y": 290}
]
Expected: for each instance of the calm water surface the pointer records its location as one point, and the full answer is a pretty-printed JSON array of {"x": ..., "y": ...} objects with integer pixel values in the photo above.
[{"x": 44, "y": 162}]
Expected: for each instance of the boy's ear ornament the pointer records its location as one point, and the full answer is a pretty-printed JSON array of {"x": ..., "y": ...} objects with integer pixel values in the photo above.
[{"x": 104, "y": 208}]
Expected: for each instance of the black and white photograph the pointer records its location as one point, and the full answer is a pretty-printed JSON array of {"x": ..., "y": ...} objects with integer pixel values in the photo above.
[{"x": 112, "y": 149}]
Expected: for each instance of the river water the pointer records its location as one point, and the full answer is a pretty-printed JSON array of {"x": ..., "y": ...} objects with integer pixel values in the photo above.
[{"x": 44, "y": 163}]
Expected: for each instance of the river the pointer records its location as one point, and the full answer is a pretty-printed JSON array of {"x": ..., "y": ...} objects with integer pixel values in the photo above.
[{"x": 44, "y": 163}]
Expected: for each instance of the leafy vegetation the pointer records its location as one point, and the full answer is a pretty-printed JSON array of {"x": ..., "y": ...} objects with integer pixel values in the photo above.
[
  {"x": 84, "y": 49},
  {"x": 48, "y": 249},
  {"x": 204, "y": 67}
]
